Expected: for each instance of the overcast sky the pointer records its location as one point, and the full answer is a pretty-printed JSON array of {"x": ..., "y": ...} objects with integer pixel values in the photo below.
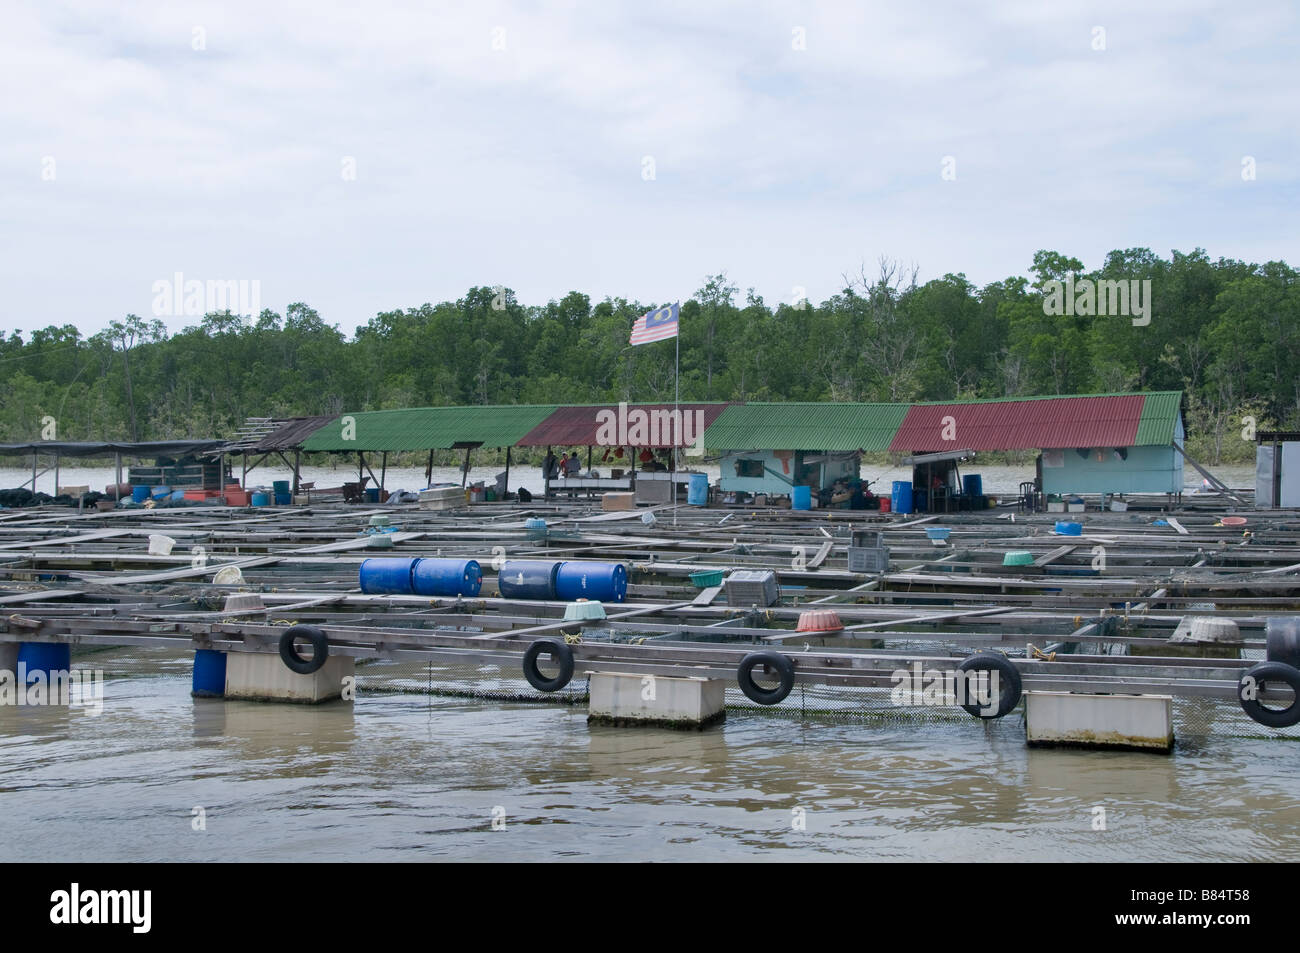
[{"x": 623, "y": 149}]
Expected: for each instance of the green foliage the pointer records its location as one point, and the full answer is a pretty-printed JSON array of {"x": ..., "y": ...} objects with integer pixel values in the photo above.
[{"x": 1226, "y": 332}]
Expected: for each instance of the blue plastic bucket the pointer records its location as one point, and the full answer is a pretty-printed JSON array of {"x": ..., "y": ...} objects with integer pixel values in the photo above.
[
  {"x": 446, "y": 577},
  {"x": 1069, "y": 529},
  {"x": 44, "y": 657},
  {"x": 801, "y": 497},
  {"x": 261, "y": 499},
  {"x": 283, "y": 499},
  {"x": 387, "y": 575},
  {"x": 697, "y": 491},
  {"x": 528, "y": 579},
  {"x": 578, "y": 579},
  {"x": 901, "y": 498},
  {"x": 973, "y": 484},
  {"x": 209, "y": 674},
  {"x": 139, "y": 493}
]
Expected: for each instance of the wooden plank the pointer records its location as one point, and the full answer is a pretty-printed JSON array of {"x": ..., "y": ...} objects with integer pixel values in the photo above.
[
  {"x": 822, "y": 553},
  {"x": 1054, "y": 555},
  {"x": 706, "y": 596},
  {"x": 1176, "y": 525}
]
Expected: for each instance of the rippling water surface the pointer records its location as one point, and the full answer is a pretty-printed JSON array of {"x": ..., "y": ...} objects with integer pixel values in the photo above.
[{"x": 418, "y": 777}]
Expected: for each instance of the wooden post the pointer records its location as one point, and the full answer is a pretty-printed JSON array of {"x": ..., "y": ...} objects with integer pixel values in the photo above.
[
  {"x": 546, "y": 475},
  {"x": 383, "y": 469},
  {"x": 588, "y": 458},
  {"x": 56, "y": 473},
  {"x": 361, "y": 465},
  {"x": 117, "y": 476},
  {"x": 297, "y": 461},
  {"x": 33, "y": 471},
  {"x": 428, "y": 470},
  {"x": 464, "y": 472}
]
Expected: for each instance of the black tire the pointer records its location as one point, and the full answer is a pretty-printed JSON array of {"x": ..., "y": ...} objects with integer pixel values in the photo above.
[
  {"x": 1282, "y": 638},
  {"x": 558, "y": 651},
  {"x": 1009, "y": 684},
  {"x": 1255, "y": 680},
  {"x": 320, "y": 648},
  {"x": 771, "y": 661}
]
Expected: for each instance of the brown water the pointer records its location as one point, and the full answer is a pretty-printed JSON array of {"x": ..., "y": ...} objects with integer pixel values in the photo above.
[{"x": 416, "y": 777}]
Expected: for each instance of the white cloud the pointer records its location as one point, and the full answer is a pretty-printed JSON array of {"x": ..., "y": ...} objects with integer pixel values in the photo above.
[{"x": 523, "y": 166}]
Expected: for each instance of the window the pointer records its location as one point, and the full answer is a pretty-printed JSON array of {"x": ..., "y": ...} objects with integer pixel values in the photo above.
[{"x": 749, "y": 468}]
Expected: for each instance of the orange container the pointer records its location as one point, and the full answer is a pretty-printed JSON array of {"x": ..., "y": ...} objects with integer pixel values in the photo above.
[{"x": 884, "y": 504}]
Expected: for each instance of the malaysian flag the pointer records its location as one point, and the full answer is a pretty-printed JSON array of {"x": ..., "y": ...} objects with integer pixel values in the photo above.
[{"x": 655, "y": 325}]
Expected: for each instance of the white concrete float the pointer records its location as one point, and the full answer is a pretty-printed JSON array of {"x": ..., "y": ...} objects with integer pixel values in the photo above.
[
  {"x": 1130, "y": 722},
  {"x": 258, "y": 677},
  {"x": 619, "y": 698}
]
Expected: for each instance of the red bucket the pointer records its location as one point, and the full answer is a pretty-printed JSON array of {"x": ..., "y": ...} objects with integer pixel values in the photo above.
[{"x": 884, "y": 504}]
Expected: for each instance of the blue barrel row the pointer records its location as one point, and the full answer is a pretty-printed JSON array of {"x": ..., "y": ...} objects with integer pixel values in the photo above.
[
  {"x": 421, "y": 577},
  {"x": 517, "y": 579},
  {"x": 575, "y": 579}
]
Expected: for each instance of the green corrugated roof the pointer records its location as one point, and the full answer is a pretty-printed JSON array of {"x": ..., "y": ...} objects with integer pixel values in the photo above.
[
  {"x": 1159, "y": 420},
  {"x": 431, "y": 428},
  {"x": 807, "y": 426}
]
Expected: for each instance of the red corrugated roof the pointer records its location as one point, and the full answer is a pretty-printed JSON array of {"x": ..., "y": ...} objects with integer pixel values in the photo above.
[
  {"x": 578, "y": 426},
  {"x": 1022, "y": 424}
]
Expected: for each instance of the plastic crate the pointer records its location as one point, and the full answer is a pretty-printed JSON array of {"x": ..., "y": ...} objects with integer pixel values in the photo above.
[
  {"x": 752, "y": 587},
  {"x": 868, "y": 559}
]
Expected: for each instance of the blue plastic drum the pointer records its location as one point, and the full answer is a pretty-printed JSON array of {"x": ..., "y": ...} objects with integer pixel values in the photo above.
[
  {"x": 446, "y": 577},
  {"x": 528, "y": 579},
  {"x": 387, "y": 576},
  {"x": 603, "y": 582}
]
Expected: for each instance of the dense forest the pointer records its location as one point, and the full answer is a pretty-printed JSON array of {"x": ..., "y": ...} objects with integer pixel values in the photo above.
[{"x": 1225, "y": 332}]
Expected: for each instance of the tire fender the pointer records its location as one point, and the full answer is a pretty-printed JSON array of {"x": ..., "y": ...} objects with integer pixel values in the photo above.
[
  {"x": 1252, "y": 684},
  {"x": 1008, "y": 680},
  {"x": 320, "y": 645},
  {"x": 772, "y": 661},
  {"x": 558, "y": 651}
]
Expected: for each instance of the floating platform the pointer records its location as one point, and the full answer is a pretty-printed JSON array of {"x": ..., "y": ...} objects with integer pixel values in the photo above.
[{"x": 1091, "y": 614}]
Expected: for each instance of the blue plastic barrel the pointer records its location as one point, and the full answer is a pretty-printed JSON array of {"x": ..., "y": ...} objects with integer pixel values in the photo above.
[
  {"x": 901, "y": 498},
  {"x": 527, "y": 579},
  {"x": 283, "y": 499},
  {"x": 1069, "y": 529},
  {"x": 280, "y": 486},
  {"x": 972, "y": 484},
  {"x": 261, "y": 499},
  {"x": 161, "y": 492},
  {"x": 139, "y": 493},
  {"x": 209, "y": 679},
  {"x": 578, "y": 579},
  {"x": 388, "y": 575},
  {"x": 44, "y": 657},
  {"x": 697, "y": 491},
  {"x": 446, "y": 577},
  {"x": 801, "y": 497},
  {"x": 178, "y": 494},
  {"x": 372, "y": 494}
]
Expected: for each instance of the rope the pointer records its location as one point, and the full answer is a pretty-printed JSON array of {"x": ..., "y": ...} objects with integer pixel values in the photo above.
[
  {"x": 1038, "y": 653},
  {"x": 574, "y": 639}
]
